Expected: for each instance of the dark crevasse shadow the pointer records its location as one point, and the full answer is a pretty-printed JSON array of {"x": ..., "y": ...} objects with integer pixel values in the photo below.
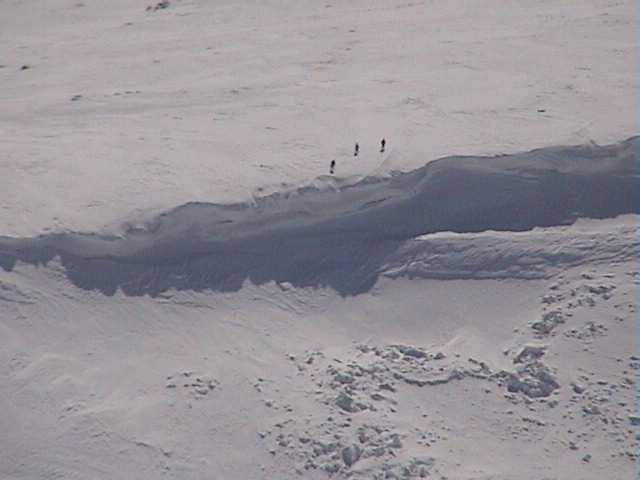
[{"x": 340, "y": 236}]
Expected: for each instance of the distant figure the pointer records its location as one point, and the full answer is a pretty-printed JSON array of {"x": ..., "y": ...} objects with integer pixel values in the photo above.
[
  {"x": 357, "y": 150},
  {"x": 333, "y": 167},
  {"x": 383, "y": 142}
]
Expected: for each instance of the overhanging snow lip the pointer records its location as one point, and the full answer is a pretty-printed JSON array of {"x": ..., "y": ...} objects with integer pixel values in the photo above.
[{"x": 323, "y": 237}]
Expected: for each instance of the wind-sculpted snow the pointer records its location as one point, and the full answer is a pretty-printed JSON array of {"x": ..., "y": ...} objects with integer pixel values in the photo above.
[{"x": 343, "y": 235}]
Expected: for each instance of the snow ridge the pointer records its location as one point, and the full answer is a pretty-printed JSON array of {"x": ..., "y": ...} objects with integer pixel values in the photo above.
[{"x": 345, "y": 235}]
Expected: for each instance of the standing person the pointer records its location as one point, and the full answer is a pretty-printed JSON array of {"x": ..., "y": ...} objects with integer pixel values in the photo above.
[
  {"x": 333, "y": 167},
  {"x": 383, "y": 142},
  {"x": 357, "y": 150}
]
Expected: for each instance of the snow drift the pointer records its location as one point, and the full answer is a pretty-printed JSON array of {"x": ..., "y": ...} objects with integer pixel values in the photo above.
[{"x": 341, "y": 235}]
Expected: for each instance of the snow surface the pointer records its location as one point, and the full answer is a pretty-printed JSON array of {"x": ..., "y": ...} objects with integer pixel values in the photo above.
[
  {"x": 210, "y": 101},
  {"x": 249, "y": 384},
  {"x": 185, "y": 293}
]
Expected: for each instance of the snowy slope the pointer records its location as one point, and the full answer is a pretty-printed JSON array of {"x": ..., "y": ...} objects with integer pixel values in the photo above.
[
  {"x": 209, "y": 101},
  {"x": 422, "y": 376},
  {"x": 218, "y": 350},
  {"x": 185, "y": 293}
]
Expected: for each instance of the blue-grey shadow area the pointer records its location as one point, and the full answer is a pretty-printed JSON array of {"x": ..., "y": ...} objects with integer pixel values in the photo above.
[{"x": 340, "y": 235}]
